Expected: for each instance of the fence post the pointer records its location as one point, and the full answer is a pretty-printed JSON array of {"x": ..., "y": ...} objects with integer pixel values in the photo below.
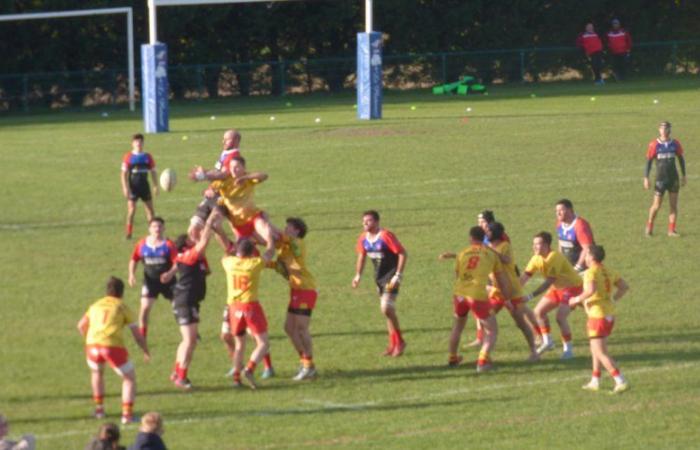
[
  {"x": 283, "y": 83},
  {"x": 443, "y": 60},
  {"x": 522, "y": 66},
  {"x": 674, "y": 57},
  {"x": 25, "y": 93}
]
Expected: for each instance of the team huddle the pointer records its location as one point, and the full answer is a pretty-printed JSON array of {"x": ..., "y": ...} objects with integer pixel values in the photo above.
[{"x": 487, "y": 278}]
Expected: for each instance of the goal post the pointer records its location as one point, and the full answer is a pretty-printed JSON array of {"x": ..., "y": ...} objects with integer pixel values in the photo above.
[
  {"x": 92, "y": 12},
  {"x": 154, "y": 92}
]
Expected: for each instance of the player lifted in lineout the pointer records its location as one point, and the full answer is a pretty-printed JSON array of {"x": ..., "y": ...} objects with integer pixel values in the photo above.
[
  {"x": 102, "y": 327},
  {"x": 389, "y": 259},
  {"x": 665, "y": 151},
  {"x": 136, "y": 166}
]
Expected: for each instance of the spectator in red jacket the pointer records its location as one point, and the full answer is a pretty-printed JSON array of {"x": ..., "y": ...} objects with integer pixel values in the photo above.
[
  {"x": 592, "y": 46},
  {"x": 619, "y": 47}
]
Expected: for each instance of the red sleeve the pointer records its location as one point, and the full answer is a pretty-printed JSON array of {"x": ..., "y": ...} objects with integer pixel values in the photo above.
[
  {"x": 173, "y": 251},
  {"x": 359, "y": 248},
  {"x": 136, "y": 255},
  {"x": 651, "y": 150},
  {"x": 392, "y": 242},
  {"x": 151, "y": 161},
  {"x": 228, "y": 158},
  {"x": 189, "y": 258},
  {"x": 583, "y": 232},
  {"x": 679, "y": 152},
  {"x": 125, "y": 161}
]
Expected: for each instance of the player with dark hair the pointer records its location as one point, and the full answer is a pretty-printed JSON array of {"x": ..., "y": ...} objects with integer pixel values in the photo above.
[
  {"x": 190, "y": 290},
  {"x": 158, "y": 255},
  {"x": 592, "y": 46},
  {"x": 523, "y": 316},
  {"x": 561, "y": 283},
  {"x": 665, "y": 151},
  {"x": 598, "y": 301},
  {"x": 473, "y": 267},
  {"x": 389, "y": 259},
  {"x": 619, "y": 48},
  {"x": 245, "y": 311},
  {"x": 574, "y": 233},
  {"x": 291, "y": 262},
  {"x": 136, "y": 165},
  {"x": 102, "y": 327}
]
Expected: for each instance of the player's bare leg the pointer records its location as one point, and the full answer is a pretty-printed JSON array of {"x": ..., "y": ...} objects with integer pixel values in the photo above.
[
  {"x": 479, "y": 339},
  {"x": 183, "y": 357},
  {"x": 673, "y": 212},
  {"x": 563, "y": 322},
  {"x": 297, "y": 326},
  {"x": 599, "y": 348},
  {"x": 594, "y": 384},
  {"x": 268, "y": 233},
  {"x": 128, "y": 394},
  {"x": 653, "y": 210},
  {"x": 541, "y": 310},
  {"x": 532, "y": 323},
  {"x": 292, "y": 330},
  {"x": 144, "y": 313},
  {"x": 238, "y": 355},
  {"x": 518, "y": 315},
  {"x": 490, "y": 326},
  {"x": 396, "y": 342},
  {"x": 148, "y": 204},
  {"x": 262, "y": 346},
  {"x": 130, "y": 211},
  {"x": 98, "y": 390},
  {"x": 455, "y": 335}
]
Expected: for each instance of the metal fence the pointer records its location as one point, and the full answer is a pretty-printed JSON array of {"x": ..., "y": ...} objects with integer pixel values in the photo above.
[{"x": 22, "y": 92}]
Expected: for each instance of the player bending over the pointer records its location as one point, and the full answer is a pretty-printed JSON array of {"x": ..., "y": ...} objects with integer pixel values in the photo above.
[
  {"x": 598, "y": 282},
  {"x": 389, "y": 259},
  {"x": 158, "y": 255},
  {"x": 561, "y": 283},
  {"x": 472, "y": 270},
  {"x": 136, "y": 165},
  {"x": 102, "y": 327}
]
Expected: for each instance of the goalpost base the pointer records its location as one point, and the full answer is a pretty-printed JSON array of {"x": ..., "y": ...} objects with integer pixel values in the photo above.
[{"x": 154, "y": 89}]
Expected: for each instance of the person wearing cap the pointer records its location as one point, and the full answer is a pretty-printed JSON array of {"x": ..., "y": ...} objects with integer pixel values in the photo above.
[
  {"x": 619, "y": 48},
  {"x": 592, "y": 46},
  {"x": 665, "y": 151}
]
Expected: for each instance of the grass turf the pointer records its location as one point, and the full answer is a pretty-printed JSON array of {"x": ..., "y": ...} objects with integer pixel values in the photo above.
[{"x": 429, "y": 171}]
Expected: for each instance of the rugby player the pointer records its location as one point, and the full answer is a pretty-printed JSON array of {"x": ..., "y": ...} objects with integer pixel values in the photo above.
[
  {"x": 389, "y": 259},
  {"x": 472, "y": 269},
  {"x": 523, "y": 316},
  {"x": 192, "y": 269},
  {"x": 664, "y": 151},
  {"x": 574, "y": 233},
  {"x": 598, "y": 302},
  {"x": 136, "y": 165},
  {"x": 561, "y": 283},
  {"x": 102, "y": 327},
  {"x": 158, "y": 255},
  {"x": 291, "y": 261},
  {"x": 245, "y": 311}
]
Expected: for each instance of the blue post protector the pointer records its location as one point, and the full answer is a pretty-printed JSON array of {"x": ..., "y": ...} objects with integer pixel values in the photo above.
[
  {"x": 369, "y": 75},
  {"x": 154, "y": 87}
]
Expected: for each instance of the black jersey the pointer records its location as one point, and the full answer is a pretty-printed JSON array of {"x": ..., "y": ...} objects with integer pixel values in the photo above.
[
  {"x": 383, "y": 249},
  {"x": 191, "y": 284}
]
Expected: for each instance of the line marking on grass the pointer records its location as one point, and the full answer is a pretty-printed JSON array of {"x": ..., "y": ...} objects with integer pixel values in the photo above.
[{"x": 338, "y": 406}]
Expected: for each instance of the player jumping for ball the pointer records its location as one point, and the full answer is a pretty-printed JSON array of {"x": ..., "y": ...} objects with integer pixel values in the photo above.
[{"x": 136, "y": 165}]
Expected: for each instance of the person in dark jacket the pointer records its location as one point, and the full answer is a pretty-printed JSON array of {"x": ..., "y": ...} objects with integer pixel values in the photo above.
[
  {"x": 150, "y": 432},
  {"x": 107, "y": 438}
]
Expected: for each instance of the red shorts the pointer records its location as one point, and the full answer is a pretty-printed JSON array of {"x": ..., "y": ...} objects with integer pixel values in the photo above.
[
  {"x": 600, "y": 327},
  {"x": 462, "y": 306},
  {"x": 247, "y": 316},
  {"x": 248, "y": 228},
  {"x": 117, "y": 357},
  {"x": 563, "y": 295},
  {"x": 302, "y": 301}
]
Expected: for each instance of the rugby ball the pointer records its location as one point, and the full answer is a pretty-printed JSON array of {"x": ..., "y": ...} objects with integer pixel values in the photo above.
[{"x": 168, "y": 179}]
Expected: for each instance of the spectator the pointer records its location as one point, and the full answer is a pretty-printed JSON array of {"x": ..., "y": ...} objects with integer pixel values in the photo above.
[
  {"x": 150, "y": 431},
  {"x": 26, "y": 443},
  {"x": 107, "y": 438},
  {"x": 592, "y": 46},
  {"x": 619, "y": 46}
]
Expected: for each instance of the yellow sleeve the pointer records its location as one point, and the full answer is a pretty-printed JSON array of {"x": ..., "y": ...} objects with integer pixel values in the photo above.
[
  {"x": 532, "y": 266},
  {"x": 498, "y": 265},
  {"x": 588, "y": 276}
]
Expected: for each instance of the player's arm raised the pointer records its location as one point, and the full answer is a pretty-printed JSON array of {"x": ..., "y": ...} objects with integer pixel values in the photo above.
[{"x": 257, "y": 177}]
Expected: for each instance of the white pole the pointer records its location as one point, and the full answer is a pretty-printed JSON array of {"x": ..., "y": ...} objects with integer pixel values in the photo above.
[
  {"x": 130, "y": 40},
  {"x": 152, "y": 30},
  {"x": 368, "y": 16}
]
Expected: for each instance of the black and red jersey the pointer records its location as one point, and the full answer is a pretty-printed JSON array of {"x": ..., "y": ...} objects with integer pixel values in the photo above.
[
  {"x": 192, "y": 269},
  {"x": 156, "y": 259},
  {"x": 383, "y": 249}
]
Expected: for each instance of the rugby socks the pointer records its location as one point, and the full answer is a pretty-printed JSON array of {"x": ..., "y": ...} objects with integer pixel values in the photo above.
[
  {"x": 483, "y": 358},
  {"x": 236, "y": 377},
  {"x": 181, "y": 371},
  {"x": 617, "y": 375},
  {"x": 546, "y": 338},
  {"x": 129, "y": 229},
  {"x": 267, "y": 360},
  {"x": 99, "y": 404},
  {"x": 595, "y": 378},
  {"x": 144, "y": 331},
  {"x": 127, "y": 409},
  {"x": 480, "y": 334},
  {"x": 307, "y": 361},
  {"x": 566, "y": 341},
  {"x": 250, "y": 367},
  {"x": 453, "y": 359},
  {"x": 398, "y": 337},
  {"x": 650, "y": 227},
  {"x": 671, "y": 227}
]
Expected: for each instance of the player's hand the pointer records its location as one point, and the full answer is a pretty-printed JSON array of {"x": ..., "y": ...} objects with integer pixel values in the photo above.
[
  {"x": 197, "y": 174},
  {"x": 683, "y": 180},
  {"x": 446, "y": 255},
  {"x": 395, "y": 280},
  {"x": 165, "y": 277},
  {"x": 209, "y": 193},
  {"x": 646, "y": 184},
  {"x": 356, "y": 281},
  {"x": 269, "y": 254},
  {"x": 126, "y": 193},
  {"x": 132, "y": 280}
]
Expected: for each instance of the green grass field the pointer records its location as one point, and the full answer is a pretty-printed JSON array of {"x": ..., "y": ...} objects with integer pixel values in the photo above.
[{"x": 429, "y": 171}]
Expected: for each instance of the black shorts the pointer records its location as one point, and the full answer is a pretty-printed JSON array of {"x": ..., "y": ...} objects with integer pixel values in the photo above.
[
  {"x": 153, "y": 288},
  {"x": 672, "y": 186},
  {"x": 204, "y": 209},
  {"x": 383, "y": 286},
  {"x": 140, "y": 191},
  {"x": 185, "y": 312}
]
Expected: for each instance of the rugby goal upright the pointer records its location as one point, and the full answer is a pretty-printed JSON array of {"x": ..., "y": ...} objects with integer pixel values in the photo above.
[{"x": 154, "y": 67}]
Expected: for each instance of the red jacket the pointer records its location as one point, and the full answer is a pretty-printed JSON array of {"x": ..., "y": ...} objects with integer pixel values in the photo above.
[
  {"x": 590, "y": 43},
  {"x": 619, "y": 42}
]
